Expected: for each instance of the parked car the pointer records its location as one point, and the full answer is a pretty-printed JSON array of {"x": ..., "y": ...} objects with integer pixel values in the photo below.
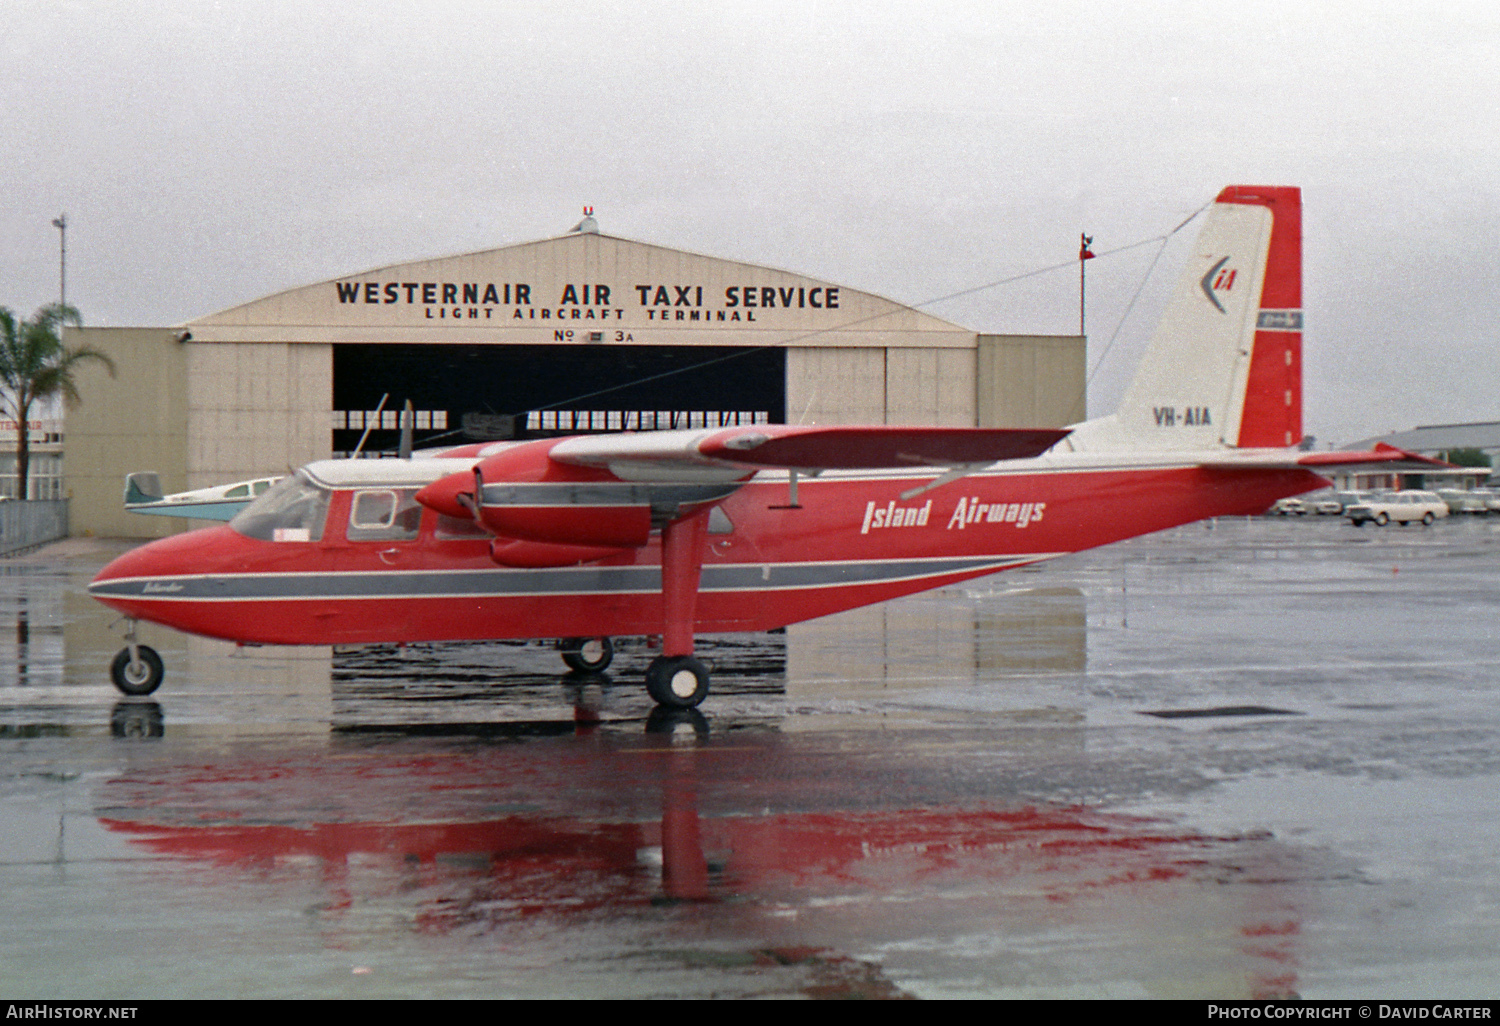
[
  {"x": 1460, "y": 501},
  {"x": 1402, "y": 507},
  {"x": 1328, "y": 502},
  {"x": 1288, "y": 507},
  {"x": 1477, "y": 500}
]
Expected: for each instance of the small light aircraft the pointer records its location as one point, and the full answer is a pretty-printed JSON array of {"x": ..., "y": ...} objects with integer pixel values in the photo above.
[
  {"x": 219, "y": 502},
  {"x": 673, "y": 533}
]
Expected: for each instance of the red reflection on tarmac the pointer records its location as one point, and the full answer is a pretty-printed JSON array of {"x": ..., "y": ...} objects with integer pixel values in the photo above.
[{"x": 621, "y": 825}]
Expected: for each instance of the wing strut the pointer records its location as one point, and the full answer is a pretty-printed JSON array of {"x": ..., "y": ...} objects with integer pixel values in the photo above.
[
  {"x": 675, "y": 678},
  {"x": 681, "y": 570}
]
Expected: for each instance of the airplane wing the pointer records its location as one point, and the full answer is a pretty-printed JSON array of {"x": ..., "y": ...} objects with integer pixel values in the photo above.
[
  {"x": 607, "y": 491},
  {"x": 730, "y": 453}
]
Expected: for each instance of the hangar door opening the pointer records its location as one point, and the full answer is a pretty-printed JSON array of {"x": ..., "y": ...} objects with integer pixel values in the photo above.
[{"x": 487, "y": 392}]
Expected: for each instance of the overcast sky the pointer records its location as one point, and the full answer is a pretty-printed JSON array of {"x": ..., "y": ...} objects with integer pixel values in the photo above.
[{"x": 209, "y": 153}]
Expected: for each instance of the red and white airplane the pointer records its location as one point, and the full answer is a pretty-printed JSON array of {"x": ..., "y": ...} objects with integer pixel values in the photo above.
[{"x": 673, "y": 533}]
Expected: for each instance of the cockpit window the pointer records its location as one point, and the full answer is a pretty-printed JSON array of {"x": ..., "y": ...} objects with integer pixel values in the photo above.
[{"x": 292, "y": 510}]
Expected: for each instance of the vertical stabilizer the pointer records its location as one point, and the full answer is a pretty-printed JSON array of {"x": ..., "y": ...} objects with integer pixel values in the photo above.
[{"x": 1224, "y": 367}]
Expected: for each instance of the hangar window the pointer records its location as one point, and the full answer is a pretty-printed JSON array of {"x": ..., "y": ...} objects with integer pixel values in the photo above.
[{"x": 384, "y": 515}]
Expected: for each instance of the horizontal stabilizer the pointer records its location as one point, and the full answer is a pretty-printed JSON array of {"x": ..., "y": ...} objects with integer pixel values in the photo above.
[
  {"x": 1383, "y": 456},
  {"x": 1388, "y": 456}
]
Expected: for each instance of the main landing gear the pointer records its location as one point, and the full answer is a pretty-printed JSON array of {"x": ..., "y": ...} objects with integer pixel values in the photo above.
[
  {"x": 675, "y": 679},
  {"x": 137, "y": 669},
  {"x": 675, "y": 682}
]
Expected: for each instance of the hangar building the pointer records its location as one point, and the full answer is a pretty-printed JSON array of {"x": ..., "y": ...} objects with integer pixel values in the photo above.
[{"x": 583, "y": 332}]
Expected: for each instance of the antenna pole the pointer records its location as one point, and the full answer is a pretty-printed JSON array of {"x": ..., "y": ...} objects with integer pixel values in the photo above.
[
  {"x": 60, "y": 222},
  {"x": 1084, "y": 255}
]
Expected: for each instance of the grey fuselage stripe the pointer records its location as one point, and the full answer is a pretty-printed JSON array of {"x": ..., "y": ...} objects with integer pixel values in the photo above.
[{"x": 420, "y": 584}]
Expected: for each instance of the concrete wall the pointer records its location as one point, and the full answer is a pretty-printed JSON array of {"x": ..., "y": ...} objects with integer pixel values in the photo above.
[
  {"x": 136, "y": 420},
  {"x": 1031, "y": 380},
  {"x": 255, "y": 408}
]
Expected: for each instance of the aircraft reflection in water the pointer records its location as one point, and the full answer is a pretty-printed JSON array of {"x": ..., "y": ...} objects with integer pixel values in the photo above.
[
  {"x": 677, "y": 533},
  {"x": 783, "y": 845}
]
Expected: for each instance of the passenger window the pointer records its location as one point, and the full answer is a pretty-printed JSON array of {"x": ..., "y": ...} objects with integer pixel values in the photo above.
[
  {"x": 238, "y": 492},
  {"x": 384, "y": 515}
]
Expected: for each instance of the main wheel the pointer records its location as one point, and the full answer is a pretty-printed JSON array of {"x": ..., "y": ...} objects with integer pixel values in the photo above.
[
  {"x": 587, "y": 655},
  {"x": 139, "y": 676},
  {"x": 678, "y": 682}
]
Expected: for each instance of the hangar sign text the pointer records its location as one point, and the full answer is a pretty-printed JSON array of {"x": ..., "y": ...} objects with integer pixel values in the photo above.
[{"x": 588, "y": 301}]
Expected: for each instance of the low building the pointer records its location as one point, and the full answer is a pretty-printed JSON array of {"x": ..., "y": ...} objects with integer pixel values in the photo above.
[
  {"x": 45, "y": 467},
  {"x": 1437, "y": 441}
]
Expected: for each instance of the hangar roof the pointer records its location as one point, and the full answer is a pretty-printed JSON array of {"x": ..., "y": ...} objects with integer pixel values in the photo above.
[
  {"x": 1431, "y": 438},
  {"x": 581, "y": 288}
]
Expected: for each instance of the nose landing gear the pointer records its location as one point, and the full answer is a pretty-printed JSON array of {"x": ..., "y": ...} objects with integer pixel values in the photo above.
[
  {"x": 137, "y": 669},
  {"x": 587, "y": 655}
]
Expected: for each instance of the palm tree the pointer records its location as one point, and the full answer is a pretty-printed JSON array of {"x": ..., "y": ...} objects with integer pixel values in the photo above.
[{"x": 34, "y": 365}]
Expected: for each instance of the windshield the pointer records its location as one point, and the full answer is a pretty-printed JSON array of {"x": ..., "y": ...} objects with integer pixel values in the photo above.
[{"x": 292, "y": 510}]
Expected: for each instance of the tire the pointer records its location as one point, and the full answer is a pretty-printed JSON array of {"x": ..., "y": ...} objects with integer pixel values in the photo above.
[
  {"x": 587, "y": 655},
  {"x": 677, "y": 682},
  {"x": 1381, "y": 520},
  {"x": 1427, "y": 519},
  {"x": 140, "y": 677}
]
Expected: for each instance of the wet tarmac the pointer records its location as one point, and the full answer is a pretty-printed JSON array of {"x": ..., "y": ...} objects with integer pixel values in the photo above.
[{"x": 1252, "y": 759}]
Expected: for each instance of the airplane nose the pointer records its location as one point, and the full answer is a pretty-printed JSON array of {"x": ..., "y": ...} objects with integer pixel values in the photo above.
[{"x": 133, "y": 575}]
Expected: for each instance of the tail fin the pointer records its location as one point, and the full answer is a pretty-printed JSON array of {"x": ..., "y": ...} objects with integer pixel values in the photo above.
[
  {"x": 1224, "y": 367},
  {"x": 142, "y": 486}
]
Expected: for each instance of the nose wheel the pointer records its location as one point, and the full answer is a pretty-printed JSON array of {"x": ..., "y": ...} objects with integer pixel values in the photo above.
[
  {"x": 136, "y": 670},
  {"x": 587, "y": 655}
]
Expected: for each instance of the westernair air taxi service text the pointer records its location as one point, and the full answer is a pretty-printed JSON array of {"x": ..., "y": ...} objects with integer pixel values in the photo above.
[{"x": 587, "y": 301}]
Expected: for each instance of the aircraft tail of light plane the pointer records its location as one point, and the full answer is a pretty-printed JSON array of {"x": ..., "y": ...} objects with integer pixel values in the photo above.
[{"x": 674, "y": 533}]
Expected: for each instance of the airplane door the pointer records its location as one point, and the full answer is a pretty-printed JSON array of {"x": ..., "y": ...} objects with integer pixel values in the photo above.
[{"x": 380, "y": 538}]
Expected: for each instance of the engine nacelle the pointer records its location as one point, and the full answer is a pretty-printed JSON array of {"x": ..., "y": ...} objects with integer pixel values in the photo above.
[
  {"x": 531, "y": 555},
  {"x": 523, "y": 494}
]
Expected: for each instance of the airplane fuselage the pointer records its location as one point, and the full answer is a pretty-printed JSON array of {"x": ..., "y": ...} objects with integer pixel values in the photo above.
[{"x": 851, "y": 541}]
